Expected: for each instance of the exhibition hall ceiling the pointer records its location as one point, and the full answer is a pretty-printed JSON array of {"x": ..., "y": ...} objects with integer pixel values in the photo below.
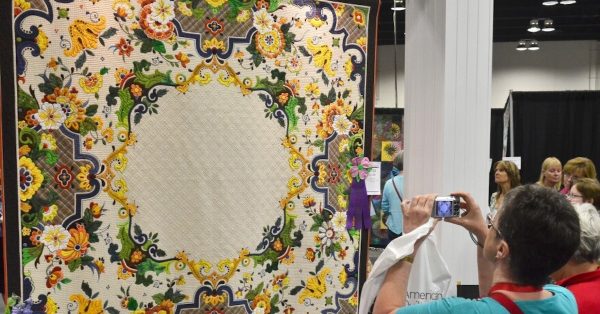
[{"x": 578, "y": 21}]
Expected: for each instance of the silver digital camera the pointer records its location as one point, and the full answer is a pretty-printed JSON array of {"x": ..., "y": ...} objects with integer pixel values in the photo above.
[{"x": 446, "y": 206}]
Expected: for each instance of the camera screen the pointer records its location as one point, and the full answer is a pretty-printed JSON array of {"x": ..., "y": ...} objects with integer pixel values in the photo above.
[{"x": 443, "y": 208}]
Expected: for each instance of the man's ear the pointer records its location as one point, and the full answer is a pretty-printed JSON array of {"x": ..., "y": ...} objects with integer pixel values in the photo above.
[{"x": 503, "y": 250}]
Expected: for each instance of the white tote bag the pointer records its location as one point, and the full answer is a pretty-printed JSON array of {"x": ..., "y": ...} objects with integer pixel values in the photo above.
[{"x": 429, "y": 277}]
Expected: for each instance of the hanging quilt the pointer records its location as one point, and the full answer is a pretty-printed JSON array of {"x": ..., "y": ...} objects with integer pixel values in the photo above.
[{"x": 185, "y": 156}]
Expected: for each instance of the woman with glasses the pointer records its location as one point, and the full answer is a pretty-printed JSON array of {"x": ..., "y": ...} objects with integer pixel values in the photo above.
[
  {"x": 585, "y": 190},
  {"x": 551, "y": 174},
  {"x": 507, "y": 177},
  {"x": 577, "y": 168},
  {"x": 532, "y": 235},
  {"x": 581, "y": 274}
]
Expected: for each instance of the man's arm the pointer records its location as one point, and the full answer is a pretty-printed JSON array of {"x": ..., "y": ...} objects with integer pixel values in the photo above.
[{"x": 392, "y": 294}]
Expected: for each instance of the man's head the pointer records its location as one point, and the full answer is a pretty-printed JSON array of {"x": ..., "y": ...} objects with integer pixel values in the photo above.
[{"x": 537, "y": 232}]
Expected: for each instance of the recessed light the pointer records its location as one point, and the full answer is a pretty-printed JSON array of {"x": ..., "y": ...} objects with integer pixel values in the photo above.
[
  {"x": 533, "y": 45},
  {"x": 548, "y": 25},
  {"x": 534, "y": 26}
]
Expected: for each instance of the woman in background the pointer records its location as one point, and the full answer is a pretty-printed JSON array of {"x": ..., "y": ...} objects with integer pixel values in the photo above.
[
  {"x": 577, "y": 168},
  {"x": 551, "y": 174},
  {"x": 507, "y": 177},
  {"x": 391, "y": 201},
  {"x": 585, "y": 190}
]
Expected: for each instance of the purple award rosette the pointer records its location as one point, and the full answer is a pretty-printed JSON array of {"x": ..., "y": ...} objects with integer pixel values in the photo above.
[{"x": 358, "y": 215}]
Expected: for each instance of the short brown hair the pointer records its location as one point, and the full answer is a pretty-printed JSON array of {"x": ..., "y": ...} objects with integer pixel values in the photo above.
[
  {"x": 589, "y": 189},
  {"x": 542, "y": 231},
  {"x": 581, "y": 165}
]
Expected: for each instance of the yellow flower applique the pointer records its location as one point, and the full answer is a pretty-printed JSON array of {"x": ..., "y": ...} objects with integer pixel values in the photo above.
[
  {"x": 51, "y": 306},
  {"x": 83, "y": 177},
  {"x": 42, "y": 41},
  {"x": 84, "y": 35},
  {"x": 322, "y": 56},
  {"x": 215, "y": 3},
  {"x": 91, "y": 84},
  {"x": 316, "y": 286},
  {"x": 87, "y": 305},
  {"x": 30, "y": 178}
]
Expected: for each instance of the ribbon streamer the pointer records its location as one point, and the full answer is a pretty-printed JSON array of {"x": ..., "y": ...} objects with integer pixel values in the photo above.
[{"x": 358, "y": 215}]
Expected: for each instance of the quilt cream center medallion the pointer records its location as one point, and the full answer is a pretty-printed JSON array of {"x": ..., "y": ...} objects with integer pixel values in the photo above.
[{"x": 188, "y": 156}]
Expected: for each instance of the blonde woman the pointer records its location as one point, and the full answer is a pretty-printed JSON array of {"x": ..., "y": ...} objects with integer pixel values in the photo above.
[
  {"x": 507, "y": 177},
  {"x": 551, "y": 174}
]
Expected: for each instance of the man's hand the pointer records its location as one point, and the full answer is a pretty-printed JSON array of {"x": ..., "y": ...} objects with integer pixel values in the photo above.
[
  {"x": 472, "y": 219},
  {"x": 417, "y": 211}
]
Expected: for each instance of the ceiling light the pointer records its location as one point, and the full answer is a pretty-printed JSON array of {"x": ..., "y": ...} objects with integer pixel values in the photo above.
[
  {"x": 555, "y": 2},
  {"x": 548, "y": 25},
  {"x": 533, "y": 45},
  {"x": 534, "y": 26},
  {"x": 399, "y": 5},
  {"x": 528, "y": 44}
]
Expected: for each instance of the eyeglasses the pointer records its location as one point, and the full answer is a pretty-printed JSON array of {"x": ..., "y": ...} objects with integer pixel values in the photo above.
[
  {"x": 571, "y": 195},
  {"x": 490, "y": 224}
]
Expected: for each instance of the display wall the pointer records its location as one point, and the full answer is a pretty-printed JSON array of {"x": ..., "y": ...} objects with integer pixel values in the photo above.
[
  {"x": 184, "y": 156},
  {"x": 388, "y": 143}
]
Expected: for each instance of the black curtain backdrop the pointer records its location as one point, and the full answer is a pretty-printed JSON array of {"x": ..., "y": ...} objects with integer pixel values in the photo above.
[
  {"x": 560, "y": 124},
  {"x": 496, "y": 132}
]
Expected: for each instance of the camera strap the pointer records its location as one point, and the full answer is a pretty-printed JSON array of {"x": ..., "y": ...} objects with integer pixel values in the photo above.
[{"x": 396, "y": 188}]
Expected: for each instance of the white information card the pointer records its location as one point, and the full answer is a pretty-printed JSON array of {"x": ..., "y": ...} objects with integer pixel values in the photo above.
[{"x": 373, "y": 181}]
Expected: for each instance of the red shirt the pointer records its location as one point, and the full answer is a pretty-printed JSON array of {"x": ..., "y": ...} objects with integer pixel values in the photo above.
[{"x": 586, "y": 288}]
